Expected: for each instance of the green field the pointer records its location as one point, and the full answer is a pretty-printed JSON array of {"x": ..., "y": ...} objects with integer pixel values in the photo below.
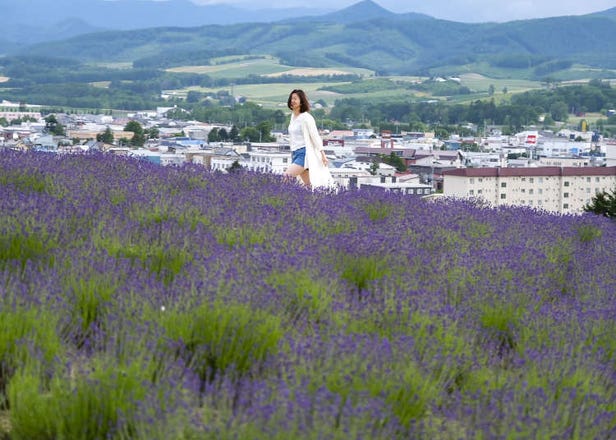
[
  {"x": 481, "y": 83},
  {"x": 274, "y": 95},
  {"x": 242, "y": 66}
]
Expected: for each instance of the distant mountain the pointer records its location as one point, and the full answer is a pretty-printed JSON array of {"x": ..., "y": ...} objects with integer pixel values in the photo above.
[
  {"x": 609, "y": 12},
  {"x": 20, "y": 34},
  {"x": 366, "y": 36},
  {"x": 362, "y": 11},
  {"x": 31, "y": 21}
]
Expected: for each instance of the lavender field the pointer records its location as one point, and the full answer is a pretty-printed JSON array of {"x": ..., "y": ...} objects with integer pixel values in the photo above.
[{"x": 148, "y": 302}]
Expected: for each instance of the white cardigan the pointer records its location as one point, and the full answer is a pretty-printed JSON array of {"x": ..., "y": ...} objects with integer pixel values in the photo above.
[{"x": 319, "y": 173}]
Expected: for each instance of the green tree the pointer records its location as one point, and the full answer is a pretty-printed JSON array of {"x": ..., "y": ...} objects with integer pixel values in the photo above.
[
  {"x": 265, "y": 132},
  {"x": 548, "y": 121},
  {"x": 374, "y": 167},
  {"x": 250, "y": 134},
  {"x": 559, "y": 111},
  {"x": 600, "y": 124},
  {"x": 213, "y": 135},
  {"x": 106, "y": 136},
  {"x": 152, "y": 132},
  {"x": 139, "y": 137},
  {"x": 53, "y": 126},
  {"x": 193, "y": 96},
  {"x": 603, "y": 203},
  {"x": 234, "y": 134},
  {"x": 395, "y": 161},
  {"x": 279, "y": 117},
  {"x": 222, "y": 133},
  {"x": 4, "y": 122}
]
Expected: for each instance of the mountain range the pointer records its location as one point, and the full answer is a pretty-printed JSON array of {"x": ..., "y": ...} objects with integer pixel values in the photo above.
[
  {"x": 362, "y": 35},
  {"x": 32, "y": 21}
]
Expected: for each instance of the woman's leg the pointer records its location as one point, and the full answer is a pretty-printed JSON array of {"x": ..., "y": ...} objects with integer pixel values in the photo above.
[{"x": 295, "y": 170}]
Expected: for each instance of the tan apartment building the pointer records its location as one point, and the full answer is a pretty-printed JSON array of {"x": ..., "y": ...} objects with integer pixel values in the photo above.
[{"x": 562, "y": 190}]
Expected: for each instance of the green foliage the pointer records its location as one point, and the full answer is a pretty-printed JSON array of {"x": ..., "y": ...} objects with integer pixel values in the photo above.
[
  {"x": 90, "y": 297},
  {"x": 603, "y": 335},
  {"x": 501, "y": 323},
  {"x": 395, "y": 161},
  {"x": 53, "y": 126},
  {"x": 410, "y": 395},
  {"x": 603, "y": 203},
  {"x": 24, "y": 247},
  {"x": 444, "y": 88},
  {"x": 362, "y": 271},
  {"x": 305, "y": 295},
  {"x": 202, "y": 57},
  {"x": 138, "y": 138},
  {"x": 235, "y": 167},
  {"x": 26, "y": 334},
  {"x": 163, "y": 260},
  {"x": 560, "y": 257},
  {"x": 243, "y": 236},
  {"x": 25, "y": 181},
  {"x": 106, "y": 136},
  {"x": 588, "y": 233},
  {"x": 100, "y": 399},
  {"x": 221, "y": 338},
  {"x": 378, "y": 210}
]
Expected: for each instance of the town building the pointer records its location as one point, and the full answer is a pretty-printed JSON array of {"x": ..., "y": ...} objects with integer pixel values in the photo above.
[
  {"x": 11, "y": 111},
  {"x": 275, "y": 162},
  {"x": 564, "y": 190}
]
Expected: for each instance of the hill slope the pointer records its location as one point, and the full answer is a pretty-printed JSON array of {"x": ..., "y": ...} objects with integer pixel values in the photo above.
[{"x": 386, "y": 43}]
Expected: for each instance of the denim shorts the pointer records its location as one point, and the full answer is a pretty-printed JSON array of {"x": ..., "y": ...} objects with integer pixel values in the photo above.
[{"x": 298, "y": 157}]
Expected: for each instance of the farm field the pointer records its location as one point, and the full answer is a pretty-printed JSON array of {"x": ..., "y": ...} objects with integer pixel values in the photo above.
[
  {"x": 238, "y": 67},
  {"x": 148, "y": 302},
  {"x": 481, "y": 83},
  {"x": 273, "y": 94}
]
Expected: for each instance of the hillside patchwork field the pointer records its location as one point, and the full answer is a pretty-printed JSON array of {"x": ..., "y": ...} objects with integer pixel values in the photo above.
[{"x": 274, "y": 94}]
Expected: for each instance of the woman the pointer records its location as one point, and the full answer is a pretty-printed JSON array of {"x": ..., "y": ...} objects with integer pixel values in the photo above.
[{"x": 308, "y": 160}]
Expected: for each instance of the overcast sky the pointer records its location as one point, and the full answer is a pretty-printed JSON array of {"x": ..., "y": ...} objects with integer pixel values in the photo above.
[{"x": 456, "y": 10}]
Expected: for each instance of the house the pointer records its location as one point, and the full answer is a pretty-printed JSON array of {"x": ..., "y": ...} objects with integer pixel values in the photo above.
[{"x": 562, "y": 190}]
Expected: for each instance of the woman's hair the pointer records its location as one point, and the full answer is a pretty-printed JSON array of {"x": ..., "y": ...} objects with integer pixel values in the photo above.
[{"x": 304, "y": 105}]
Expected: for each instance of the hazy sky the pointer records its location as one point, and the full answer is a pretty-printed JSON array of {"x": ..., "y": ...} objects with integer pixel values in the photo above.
[{"x": 456, "y": 10}]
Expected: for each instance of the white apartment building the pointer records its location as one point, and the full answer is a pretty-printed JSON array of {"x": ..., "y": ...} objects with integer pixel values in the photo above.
[
  {"x": 267, "y": 161},
  {"x": 562, "y": 190}
]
